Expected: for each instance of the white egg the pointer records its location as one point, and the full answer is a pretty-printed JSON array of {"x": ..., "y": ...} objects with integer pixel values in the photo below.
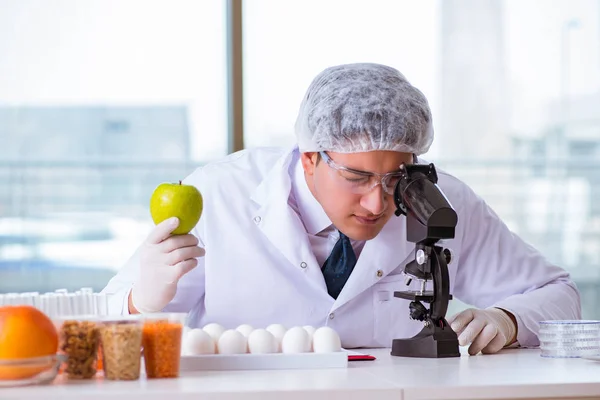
[
  {"x": 278, "y": 331},
  {"x": 261, "y": 341},
  {"x": 214, "y": 330},
  {"x": 232, "y": 342},
  {"x": 310, "y": 330},
  {"x": 326, "y": 340},
  {"x": 245, "y": 329},
  {"x": 296, "y": 340},
  {"x": 197, "y": 342}
]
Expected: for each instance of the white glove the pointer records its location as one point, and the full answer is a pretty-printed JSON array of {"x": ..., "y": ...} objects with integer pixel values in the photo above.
[
  {"x": 486, "y": 330},
  {"x": 164, "y": 259}
]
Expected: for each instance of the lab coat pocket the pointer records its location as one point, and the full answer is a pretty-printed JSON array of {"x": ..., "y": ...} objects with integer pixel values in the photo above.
[{"x": 391, "y": 314}]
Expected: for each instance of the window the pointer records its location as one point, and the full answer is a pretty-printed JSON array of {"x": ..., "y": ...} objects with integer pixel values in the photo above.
[
  {"x": 287, "y": 43},
  {"x": 514, "y": 88},
  {"x": 100, "y": 101}
]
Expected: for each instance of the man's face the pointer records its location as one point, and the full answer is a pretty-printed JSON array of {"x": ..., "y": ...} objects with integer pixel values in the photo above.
[{"x": 353, "y": 198}]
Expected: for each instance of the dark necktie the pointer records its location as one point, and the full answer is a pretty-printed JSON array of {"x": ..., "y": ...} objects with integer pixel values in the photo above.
[{"x": 339, "y": 265}]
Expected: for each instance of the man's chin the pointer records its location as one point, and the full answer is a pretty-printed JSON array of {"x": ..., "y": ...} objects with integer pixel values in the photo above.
[{"x": 364, "y": 233}]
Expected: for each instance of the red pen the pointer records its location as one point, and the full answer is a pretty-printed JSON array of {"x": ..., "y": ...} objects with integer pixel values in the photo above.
[{"x": 360, "y": 357}]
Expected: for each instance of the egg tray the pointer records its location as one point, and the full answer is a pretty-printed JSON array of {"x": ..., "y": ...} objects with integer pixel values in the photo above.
[{"x": 227, "y": 362}]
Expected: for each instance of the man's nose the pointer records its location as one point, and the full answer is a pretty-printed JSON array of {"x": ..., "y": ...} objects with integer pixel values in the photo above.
[{"x": 374, "y": 201}]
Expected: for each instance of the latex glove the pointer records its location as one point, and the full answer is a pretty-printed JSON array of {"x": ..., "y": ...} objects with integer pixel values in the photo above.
[
  {"x": 164, "y": 259},
  {"x": 486, "y": 330}
]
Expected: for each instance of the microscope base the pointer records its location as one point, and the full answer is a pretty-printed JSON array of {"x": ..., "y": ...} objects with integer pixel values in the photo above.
[{"x": 431, "y": 342}]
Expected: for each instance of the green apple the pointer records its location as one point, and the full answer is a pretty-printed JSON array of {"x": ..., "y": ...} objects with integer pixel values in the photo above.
[{"x": 176, "y": 200}]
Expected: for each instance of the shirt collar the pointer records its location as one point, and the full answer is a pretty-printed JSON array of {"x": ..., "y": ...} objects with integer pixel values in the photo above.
[{"x": 311, "y": 212}]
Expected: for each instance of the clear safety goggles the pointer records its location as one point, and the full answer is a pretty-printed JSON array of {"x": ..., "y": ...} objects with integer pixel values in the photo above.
[{"x": 361, "y": 182}]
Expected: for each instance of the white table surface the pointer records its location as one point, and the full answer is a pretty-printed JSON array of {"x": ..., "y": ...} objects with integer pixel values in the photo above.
[
  {"x": 511, "y": 373},
  {"x": 514, "y": 373}
]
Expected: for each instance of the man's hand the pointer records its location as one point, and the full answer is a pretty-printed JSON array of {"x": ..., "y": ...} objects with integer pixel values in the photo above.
[
  {"x": 486, "y": 330},
  {"x": 164, "y": 259}
]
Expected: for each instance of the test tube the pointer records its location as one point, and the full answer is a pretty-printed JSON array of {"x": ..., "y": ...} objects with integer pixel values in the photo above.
[
  {"x": 64, "y": 304},
  {"x": 52, "y": 305},
  {"x": 76, "y": 304},
  {"x": 26, "y": 299},
  {"x": 43, "y": 303},
  {"x": 71, "y": 303},
  {"x": 12, "y": 299},
  {"x": 101, "y": 303}
]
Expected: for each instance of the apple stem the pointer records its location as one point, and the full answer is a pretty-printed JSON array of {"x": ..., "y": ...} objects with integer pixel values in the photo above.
[{"x": 180, "y": 182}]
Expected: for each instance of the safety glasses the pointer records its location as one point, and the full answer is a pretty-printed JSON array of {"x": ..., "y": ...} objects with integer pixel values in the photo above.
[{"x": 361, "y": 182}]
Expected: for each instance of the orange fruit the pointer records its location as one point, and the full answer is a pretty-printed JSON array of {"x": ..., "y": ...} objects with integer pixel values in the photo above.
[{"x": 25, "y": 333}]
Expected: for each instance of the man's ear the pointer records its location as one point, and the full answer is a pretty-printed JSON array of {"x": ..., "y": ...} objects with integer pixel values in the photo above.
[{"x": 309, "y": 161}]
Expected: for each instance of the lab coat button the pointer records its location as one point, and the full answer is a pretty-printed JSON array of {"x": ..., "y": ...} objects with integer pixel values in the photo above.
[
  {"x": 302, "y": 264},
  {"x": 257, "y": 219},
  {"x": 379, "y": 273},
  {"x": 331, "y": 316}
]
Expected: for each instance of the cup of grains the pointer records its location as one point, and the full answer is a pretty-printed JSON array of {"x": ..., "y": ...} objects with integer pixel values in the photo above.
[
  {"x": 161, "y": 340},
  {"x": 121, "y": 339},
  {"x": 78, "y": 340}
]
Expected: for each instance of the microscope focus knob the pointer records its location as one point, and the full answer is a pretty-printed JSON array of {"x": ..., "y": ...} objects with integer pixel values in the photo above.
[
  {"x": 447, "y": 256},
  {"x": 420, "y": 257}
]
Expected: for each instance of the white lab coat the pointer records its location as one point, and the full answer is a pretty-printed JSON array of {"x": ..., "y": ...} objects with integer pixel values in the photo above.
[{"x": 259, "y": 267}]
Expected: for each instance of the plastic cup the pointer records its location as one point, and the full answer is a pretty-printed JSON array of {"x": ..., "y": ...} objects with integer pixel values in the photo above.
[
  {"x": 78, "y": 340},
  {"x": 161, "y": 340},
  {"x": 121, "y": 340}
]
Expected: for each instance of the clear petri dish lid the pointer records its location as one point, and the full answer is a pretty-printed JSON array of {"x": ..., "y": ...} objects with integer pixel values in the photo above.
[
  {"x": 567, "y": 353},
  {"x": 563, "y": 330},
  {"x": 570, "y": 322},
  {"x": 573, "y": 343},
  {"x": 569, "y": 326},
  {"x": 569, "y": 338}
]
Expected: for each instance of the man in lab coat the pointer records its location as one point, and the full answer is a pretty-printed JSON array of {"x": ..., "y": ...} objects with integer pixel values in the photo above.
[{"x": 308, "y": 236}]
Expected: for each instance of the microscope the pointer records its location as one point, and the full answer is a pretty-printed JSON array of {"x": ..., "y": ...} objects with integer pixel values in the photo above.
[{"x": 429, "y": 218}]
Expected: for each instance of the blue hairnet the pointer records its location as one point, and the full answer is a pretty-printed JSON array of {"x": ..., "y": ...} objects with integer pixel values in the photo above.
[{"x": 363, "y": 107}]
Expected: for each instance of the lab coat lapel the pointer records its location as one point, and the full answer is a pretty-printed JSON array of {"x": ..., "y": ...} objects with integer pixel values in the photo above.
[
  {"x": 386, "y": 252},
  {"x": 281, "y": 225}
]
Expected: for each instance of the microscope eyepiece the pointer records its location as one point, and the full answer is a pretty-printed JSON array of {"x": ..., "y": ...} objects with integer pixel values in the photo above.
[{"x": 430, "y": 217}]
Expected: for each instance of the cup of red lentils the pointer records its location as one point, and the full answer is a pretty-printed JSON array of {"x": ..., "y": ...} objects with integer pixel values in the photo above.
[{"x": 161, "y": 341}]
